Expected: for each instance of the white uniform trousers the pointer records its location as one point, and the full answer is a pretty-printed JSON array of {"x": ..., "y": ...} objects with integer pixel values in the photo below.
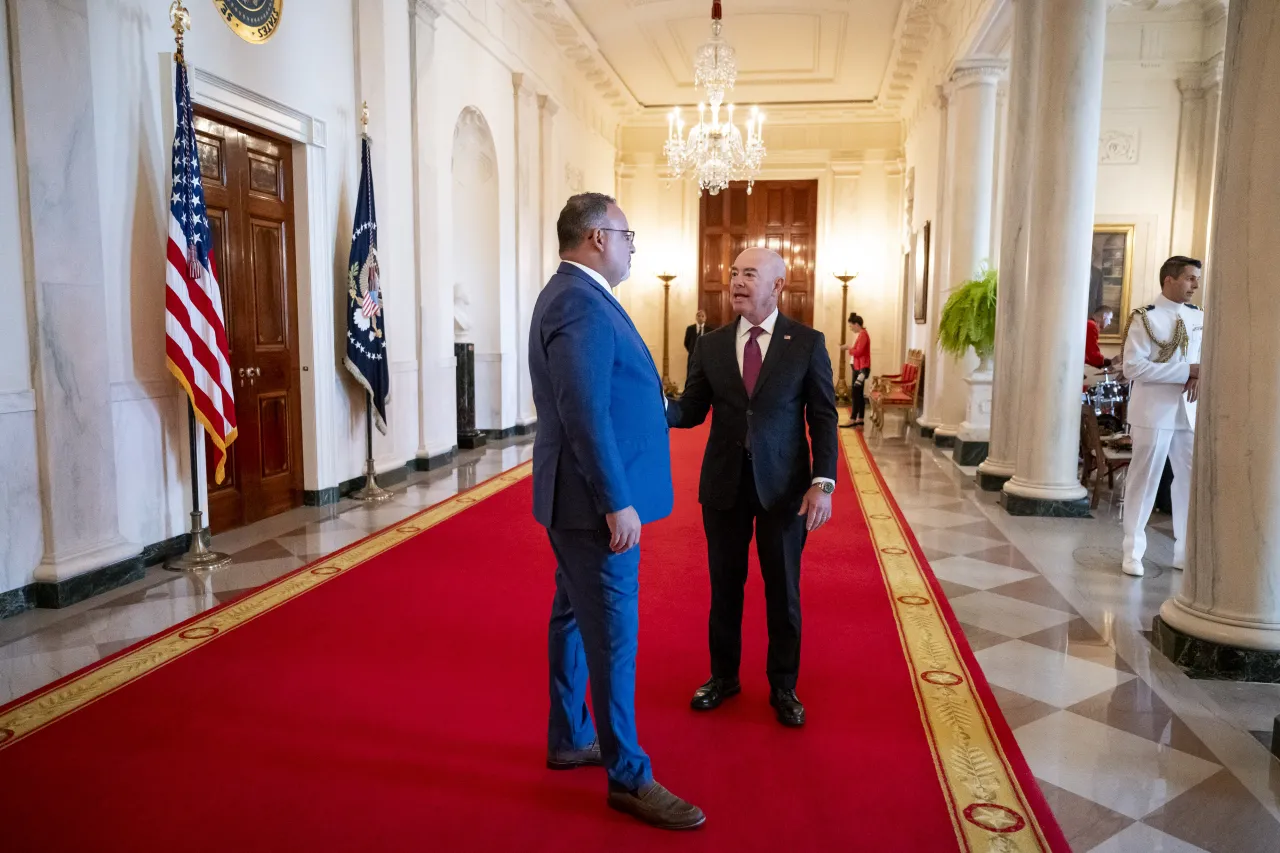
[{"x": 1150, "y": 449}]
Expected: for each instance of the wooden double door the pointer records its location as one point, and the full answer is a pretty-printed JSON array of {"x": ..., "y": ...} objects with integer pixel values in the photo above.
[
  {"x": 248, "y": 189},
  {"x": 779, "y": 215}
]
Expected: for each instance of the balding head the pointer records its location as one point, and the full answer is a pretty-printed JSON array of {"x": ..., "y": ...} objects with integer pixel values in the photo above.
[{"x": 758, "y": 276}]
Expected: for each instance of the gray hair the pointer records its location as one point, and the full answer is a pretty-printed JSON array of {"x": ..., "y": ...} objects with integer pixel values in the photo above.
[{"x": 581, "y": 214}]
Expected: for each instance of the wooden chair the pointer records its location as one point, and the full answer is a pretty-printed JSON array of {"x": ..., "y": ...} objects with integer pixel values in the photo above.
[
  {"x": 896, "y": 390},
  {"x": 1097, "y": 457}
]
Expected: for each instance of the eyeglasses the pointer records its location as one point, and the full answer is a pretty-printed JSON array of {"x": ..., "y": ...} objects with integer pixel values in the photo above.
[{"x": 631, "y": 235}]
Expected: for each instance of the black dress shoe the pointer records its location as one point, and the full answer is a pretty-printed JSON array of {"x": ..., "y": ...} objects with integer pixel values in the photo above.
[
  {"x": 710, "y": 695},
  {"x": 790, "y": 711},
  {"x": 571, "y": 758}
]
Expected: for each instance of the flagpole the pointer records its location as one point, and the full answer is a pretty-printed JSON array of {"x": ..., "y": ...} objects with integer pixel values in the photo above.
[
  {"x": 371, "y": 492},
  {"x": 198, "y": 558}
]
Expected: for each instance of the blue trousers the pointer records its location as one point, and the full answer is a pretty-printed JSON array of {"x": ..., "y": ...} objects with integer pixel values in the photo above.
[{"x": 594, "y": 630}]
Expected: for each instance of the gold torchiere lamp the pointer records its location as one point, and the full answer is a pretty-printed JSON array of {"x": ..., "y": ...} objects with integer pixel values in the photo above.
[
  {"x": 668, "y": 387},
  {"x": 842, "y": 387}
]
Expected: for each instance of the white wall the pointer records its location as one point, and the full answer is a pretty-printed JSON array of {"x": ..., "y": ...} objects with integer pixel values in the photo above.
[{"x": 323, "y": 61}]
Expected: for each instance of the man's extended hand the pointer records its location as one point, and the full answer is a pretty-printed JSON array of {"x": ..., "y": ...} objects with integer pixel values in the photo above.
[
  {"x": 1192, "y": 389},
  {"x": 817, "y": 506},
  {"x": 1194, "y": 371},
  {"x": 624, "y": 529}
]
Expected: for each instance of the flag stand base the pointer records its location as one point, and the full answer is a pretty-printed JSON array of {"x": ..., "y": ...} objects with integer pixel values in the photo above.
[
  {"x": 372, "y": 492},
  {"x": 198, "y": 558}
]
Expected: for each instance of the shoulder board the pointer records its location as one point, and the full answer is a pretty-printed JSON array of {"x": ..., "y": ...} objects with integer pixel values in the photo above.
[
  {"x": 1193, "y": 307},
  {"x": 1150, "y": 307}
]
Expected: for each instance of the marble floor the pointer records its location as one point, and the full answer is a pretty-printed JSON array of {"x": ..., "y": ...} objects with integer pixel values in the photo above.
[{"x": 1133, "y": 756}]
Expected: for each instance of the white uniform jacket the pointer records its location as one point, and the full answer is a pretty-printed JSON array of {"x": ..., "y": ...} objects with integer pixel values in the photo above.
[{"x": 1156, "y": 399}]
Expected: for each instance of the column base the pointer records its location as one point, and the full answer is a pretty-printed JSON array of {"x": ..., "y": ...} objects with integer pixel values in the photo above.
[
  {"x": 54, "y": 593},
  {"x": 944, "y": 436},
  {"x": 926, "y": 431},
  {"x": 472, "y": 440},
  {"x": 969, "y": 453},
  {"x": 428, "y": 461},
  {"x": 992, "y": 475},
  {"x": 1045, "y": 507},
  {"x": 1224, "y": 631},
  {"x": 1207, "y": 659}
]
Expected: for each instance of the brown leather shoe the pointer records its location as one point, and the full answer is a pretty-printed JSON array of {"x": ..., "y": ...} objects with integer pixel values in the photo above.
[
  {"x": 571, "y": 758},
  {"x": 656, "y": 806}
]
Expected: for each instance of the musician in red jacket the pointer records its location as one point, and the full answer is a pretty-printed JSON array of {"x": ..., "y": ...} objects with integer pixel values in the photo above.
[
  {"x": 860, "y": 360},
  {"x": 1098, "y": 320}
]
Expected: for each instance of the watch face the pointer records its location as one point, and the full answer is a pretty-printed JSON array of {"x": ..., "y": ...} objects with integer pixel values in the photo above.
[
  {"x": 253, "y": 20},
  {"x": 828, "y": 487}
]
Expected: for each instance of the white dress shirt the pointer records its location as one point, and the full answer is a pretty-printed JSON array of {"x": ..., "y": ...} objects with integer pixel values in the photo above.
[
  {"x": 744, "y": 334},
  {"x": 595, "y": 276}
]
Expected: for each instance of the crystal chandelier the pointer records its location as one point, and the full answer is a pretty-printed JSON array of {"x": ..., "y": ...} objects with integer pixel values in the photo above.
[{"x": 715, "y": 151}]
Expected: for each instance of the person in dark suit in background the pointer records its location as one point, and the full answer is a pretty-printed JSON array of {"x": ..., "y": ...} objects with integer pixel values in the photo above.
[
  {"x": 695, "y": 330},
  {"x": 767, "y": 377},
  {"x": 601, "y": 469}
]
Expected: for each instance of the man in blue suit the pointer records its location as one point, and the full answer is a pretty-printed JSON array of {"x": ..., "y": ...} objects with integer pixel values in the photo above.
[{"x": 601, "y": 469}]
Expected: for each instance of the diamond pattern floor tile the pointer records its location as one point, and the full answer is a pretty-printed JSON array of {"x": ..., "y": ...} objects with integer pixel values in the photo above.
[
  {"x": 1219, "y": 815},
  {"x": 1085, "y": 823}
]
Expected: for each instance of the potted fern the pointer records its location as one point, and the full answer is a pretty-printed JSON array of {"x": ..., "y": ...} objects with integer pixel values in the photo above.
[{"x": 969, "y": 319}]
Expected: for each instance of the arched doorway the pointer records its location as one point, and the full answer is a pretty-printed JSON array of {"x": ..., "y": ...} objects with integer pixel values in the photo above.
[{"x": 476, "y": 297}]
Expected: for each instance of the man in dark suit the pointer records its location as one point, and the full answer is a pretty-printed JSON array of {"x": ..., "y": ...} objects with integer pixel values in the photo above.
[
  {"x": 601, "y": 469},
  {"x": 766, "y": 377},
  {"x": 694, "y": 331}
]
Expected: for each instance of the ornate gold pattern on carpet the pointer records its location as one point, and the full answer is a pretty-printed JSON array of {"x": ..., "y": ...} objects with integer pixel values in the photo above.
[
  {"x": 986, "y": 803},
  {"x": 53, "y": 703}
]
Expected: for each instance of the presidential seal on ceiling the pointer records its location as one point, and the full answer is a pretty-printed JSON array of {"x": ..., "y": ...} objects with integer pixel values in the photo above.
[{"x": 255, "y": 21}]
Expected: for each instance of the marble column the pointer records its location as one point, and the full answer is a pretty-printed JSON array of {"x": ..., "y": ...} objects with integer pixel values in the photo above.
[
  {"x": 528, "y": 134},
  {"x": 437, "y": 395},
  {"x": 1201, "y": 244},
  {"x": 998, "y": 467},
  {"x": 1230, "y": 598},
  {"x": 1064, "y": 179},
  {"x": 1186, "y": 180},
  {"x": 84, "y": 552},
  {"x": 550, "y": 199},
  {"x": 973, "y": 100},
  {"x": 931, "y": 410}
]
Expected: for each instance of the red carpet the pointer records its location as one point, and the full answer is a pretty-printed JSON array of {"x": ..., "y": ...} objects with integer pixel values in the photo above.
[{"x": 400, "y": 704}]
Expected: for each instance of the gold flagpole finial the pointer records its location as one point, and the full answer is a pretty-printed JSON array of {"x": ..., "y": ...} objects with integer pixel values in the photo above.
[
  {"x": 364, "y": 116},
  {"x": 180, "y": 18}
]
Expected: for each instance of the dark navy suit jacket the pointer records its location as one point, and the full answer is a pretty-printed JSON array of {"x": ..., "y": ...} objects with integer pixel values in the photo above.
[{"x": 601, "y": 443}]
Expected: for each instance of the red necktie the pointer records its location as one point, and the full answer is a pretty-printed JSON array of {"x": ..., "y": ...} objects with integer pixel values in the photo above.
[{"x": 751, "y": 360}]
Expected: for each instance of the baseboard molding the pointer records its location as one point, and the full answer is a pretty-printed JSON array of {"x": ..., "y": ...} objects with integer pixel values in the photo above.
[
  {"x": 433, "y": 463},
  {"x": 53, "y": 596},
  {"x": 500, "y": 434}
]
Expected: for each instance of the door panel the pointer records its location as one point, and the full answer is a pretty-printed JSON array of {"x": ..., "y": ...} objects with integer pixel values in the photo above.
[
  {"x": 780, "y": 215},
  {"x": 247, "y": 181}
]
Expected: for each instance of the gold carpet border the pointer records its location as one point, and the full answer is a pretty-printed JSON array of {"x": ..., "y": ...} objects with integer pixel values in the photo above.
[
  {"x": 988, "y": 809},
  {"x": 57, "y": 702}
]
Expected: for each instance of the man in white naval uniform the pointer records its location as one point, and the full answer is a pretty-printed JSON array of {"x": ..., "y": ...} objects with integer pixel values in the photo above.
[{"x": 1162, "y": 359}]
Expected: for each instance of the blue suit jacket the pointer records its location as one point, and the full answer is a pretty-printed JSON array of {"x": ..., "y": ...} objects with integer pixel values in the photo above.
[{"x": 601, "y": 443}]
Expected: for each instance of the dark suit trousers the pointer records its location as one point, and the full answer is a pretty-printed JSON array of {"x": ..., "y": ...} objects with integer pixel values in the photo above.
[
  {"x": 780, "y": 535},
  {"x": 594, "y": 630}
]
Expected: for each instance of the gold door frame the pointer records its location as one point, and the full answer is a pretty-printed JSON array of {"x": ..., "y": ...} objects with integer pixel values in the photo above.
[{"x": 1126, "y": 284}]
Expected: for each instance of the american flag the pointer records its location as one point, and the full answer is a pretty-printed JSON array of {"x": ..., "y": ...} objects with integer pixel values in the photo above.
[{"x": 195, "y": 335}]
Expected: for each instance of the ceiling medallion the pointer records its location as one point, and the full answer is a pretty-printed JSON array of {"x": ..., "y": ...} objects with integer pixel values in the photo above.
[
  {"x": 715, "y": 151},
  {"x": 255, "y": 21}
]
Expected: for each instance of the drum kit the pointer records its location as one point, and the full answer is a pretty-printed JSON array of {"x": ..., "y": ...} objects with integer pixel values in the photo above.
[{"x": 1108, "y": 398}]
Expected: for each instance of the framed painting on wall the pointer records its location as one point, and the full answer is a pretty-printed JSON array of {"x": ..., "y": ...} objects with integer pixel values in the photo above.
[
  {"x": 920, "y": 264},
  {"x": 1110, "y": 277}
]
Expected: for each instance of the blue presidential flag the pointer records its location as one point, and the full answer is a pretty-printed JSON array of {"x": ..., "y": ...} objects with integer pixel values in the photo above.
[{"x": 366, "y": 329}]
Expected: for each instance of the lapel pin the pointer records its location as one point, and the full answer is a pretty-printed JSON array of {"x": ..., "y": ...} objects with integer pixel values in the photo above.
[{"x": 786, "y": 337}]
